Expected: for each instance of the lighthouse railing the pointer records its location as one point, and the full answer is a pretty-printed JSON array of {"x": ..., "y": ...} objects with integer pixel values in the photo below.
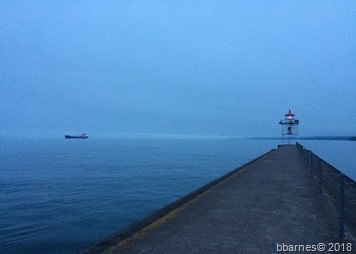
[{"x": 336, "y": 187}]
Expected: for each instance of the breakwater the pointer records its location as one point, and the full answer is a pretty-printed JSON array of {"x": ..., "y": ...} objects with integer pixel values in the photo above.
[
  {"x": 271, "y": 200},
  {"x": 333, "y": 185}
]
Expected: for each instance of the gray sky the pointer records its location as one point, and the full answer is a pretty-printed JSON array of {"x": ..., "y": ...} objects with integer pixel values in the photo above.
[{"x": 226, "y": 68}]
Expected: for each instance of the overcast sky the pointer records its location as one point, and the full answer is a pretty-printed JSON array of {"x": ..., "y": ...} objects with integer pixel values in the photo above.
[{"x": 225, "y": 68}]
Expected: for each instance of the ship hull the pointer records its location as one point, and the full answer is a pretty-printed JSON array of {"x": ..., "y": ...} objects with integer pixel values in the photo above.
[{"x": 68, "y": 136}]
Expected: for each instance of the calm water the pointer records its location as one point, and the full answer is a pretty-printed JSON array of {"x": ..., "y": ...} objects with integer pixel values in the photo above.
[
  {"x": 340, "y": 154},
  {"x": 60, "y": 196}
]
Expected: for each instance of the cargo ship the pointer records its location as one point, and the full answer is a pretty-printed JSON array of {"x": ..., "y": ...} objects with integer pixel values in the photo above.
[{"x": 84, "y": 135}]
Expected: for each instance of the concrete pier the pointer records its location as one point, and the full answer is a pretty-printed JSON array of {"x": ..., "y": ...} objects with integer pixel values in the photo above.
[{"x": 255, "y": 209}]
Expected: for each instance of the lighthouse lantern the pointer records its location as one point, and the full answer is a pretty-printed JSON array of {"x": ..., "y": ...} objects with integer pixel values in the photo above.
[{"x": 289, "y": 116}]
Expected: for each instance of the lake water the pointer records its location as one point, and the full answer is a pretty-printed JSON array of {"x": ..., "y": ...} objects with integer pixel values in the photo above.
[{"x": 61, "y": 196}]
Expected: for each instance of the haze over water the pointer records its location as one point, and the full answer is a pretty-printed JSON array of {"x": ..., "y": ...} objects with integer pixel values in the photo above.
[{"x": 223, "y": 68}]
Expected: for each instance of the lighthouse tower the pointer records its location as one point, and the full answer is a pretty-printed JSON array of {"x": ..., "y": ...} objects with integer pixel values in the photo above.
[{"x": 289, "y": 127}]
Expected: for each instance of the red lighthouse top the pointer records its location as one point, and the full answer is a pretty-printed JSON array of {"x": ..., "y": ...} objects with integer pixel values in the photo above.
[{"x": 289, "y": 115}]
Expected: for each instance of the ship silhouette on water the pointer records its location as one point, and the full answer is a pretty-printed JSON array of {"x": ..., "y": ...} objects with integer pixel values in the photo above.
[{"x": 84, "y": 135}]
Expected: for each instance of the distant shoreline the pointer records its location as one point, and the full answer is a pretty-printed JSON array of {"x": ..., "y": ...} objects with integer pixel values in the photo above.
[
  {"x": 162, "y": 136},
  {"x": 347, "y": 138}
]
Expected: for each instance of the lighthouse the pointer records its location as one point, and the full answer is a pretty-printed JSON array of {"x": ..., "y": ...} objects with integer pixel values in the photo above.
[{"x": 289, "y": 127}]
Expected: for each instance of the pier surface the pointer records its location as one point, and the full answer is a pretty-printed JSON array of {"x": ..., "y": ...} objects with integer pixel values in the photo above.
[{"x": 270, "y": 201}]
